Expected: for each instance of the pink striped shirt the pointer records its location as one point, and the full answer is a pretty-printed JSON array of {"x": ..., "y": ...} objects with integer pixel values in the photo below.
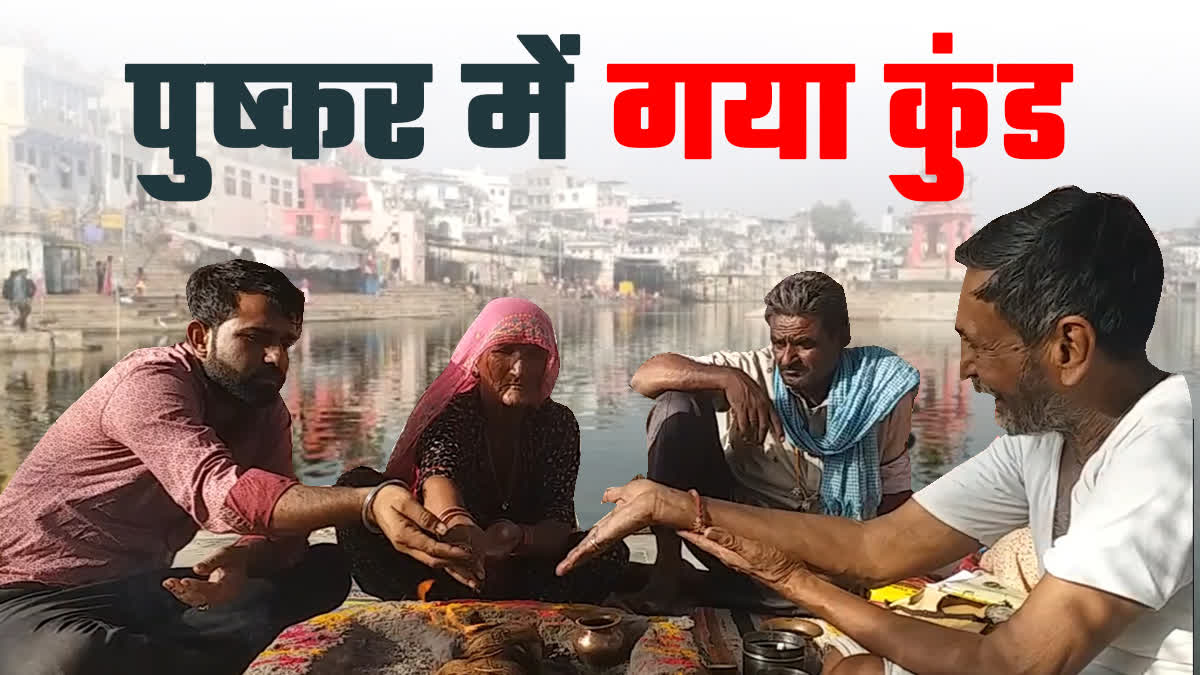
[{"x": 129, "y": 473}]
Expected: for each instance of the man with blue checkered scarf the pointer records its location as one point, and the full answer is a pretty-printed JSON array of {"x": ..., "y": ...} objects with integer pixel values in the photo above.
[{"x": 806, "y": 424}]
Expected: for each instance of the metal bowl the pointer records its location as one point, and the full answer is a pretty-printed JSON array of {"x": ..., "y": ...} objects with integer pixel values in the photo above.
[
  {"x": 775, "y": 653},
  {"x": 775, "y": 670},
  {"x": 794, "y": 625}
]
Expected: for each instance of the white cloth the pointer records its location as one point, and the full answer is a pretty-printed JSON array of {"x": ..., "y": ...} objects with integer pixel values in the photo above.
[
  {"x": 848, "y": 647},
  {"x": 1131, "y": 519},
  {"x": 770, "y": 476}
]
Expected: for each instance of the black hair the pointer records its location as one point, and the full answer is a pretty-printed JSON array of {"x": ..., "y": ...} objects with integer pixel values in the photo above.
[
  {"x": 1072, "y": 252},
  {"x": 811, "y": 293},
  {"x": 213, "y": 291}
]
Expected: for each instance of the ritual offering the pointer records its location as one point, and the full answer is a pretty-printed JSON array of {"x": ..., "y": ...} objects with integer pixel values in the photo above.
[{"x": 600, "y": 642}]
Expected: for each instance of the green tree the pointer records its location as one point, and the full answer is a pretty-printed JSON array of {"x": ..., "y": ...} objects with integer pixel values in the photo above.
[{"x": 835, "y": 224}]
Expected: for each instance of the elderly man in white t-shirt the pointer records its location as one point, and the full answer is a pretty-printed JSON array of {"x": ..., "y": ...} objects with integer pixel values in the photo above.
[
  {"x": 808, "y": 424},
  {"x": 1056, "y": 308}
]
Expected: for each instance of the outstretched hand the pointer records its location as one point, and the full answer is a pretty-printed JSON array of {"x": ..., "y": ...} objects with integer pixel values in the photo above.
[
  {"x": 639, "y": 505},
  {"x": 765, "y": 563},
  {"x": 222, "y": 576},
  {"x": 408, "y": 525}
]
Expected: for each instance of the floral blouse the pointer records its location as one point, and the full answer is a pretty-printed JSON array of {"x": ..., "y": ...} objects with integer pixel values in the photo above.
[{"x": 546, "y": 465}]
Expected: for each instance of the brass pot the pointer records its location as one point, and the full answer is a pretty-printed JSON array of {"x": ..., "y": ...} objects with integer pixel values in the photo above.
[{"x": 599, "y": 641}]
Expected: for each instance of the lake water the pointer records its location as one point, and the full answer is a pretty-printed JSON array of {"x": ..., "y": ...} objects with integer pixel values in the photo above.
[{"x": 351, "y": 386}]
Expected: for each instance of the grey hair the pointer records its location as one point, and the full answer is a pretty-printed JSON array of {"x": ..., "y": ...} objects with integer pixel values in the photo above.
[
  {"x": 1072, "y": 252},
  {"x": 810, "y": 293}
]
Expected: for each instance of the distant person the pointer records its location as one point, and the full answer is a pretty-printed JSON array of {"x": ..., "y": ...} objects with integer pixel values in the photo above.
[
  {"x": 9, "y": 283},
  {"x": 496, "y": 459},
  {"x": 370, "y": 279},
  {"x": 108, "y": 276},
  {"x": 19, "y": 291},
  {"x": 139, "y": 284},
  {"x": 168, "y": 441},
  {"x": 99, "y": 277},
  {"x": 809, "y": 424}
]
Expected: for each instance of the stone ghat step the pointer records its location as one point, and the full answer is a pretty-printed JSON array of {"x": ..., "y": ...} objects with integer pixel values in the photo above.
[
  {"x": 40, "y": 341},
  {"x": 156, "y": 300},
  {"x": 98, "y": 315}
]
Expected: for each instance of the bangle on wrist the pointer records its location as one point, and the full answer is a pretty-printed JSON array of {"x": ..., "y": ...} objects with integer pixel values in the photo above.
[
  {"x": 455, "y": 512},
  {"x": 368, "y": 519},
  {"x": 702, "y": 520},
  {"x": 458, "y": 519}
]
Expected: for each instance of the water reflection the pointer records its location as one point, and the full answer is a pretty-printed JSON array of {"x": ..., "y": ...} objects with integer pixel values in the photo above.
[{"x": 352, "y": 386}]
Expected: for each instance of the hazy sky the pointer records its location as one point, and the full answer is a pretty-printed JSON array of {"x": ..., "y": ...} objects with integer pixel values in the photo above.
[{"x": 1130, "y": 114}]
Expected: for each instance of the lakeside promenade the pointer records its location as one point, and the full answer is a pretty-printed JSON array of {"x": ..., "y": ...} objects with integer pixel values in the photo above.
[{"x": 81, "y": 321}]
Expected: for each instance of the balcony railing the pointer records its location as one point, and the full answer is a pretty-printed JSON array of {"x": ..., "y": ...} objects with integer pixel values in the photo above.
[
  {"x": 37, "y": 217},
  {"x": 68, "y": 223}
]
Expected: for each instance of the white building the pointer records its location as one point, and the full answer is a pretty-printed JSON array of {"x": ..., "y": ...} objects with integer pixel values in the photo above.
[
  {"x": 662, "y": 215},
  {"x": 589, "y": 249},
  {"x": 579, "y": 194},
  {"x": 540, "y": 185},
  {"x": 1187, "y": 254},
  {"x": 725, "y": 221},
  {"x": 649, "y": 249},
  {"x": 451, "y": 204},
  {"x": 434, "y": 190},
  {"x": 122, "y": 158},
  {"x": 601, "y": 251},
  {"x": 555, "y": 195},
  {"x": 251, "y": 187},
  {"x": 700, "y": 263},
  {"x": 396, "y": 233},
  {"x": 402, "y": 248},
  {"x": 858, "y": 262},
  {"x": 887, "y": 224},
  {"x": 495, "y": 192},
  {"x": 49, "y": 140}
]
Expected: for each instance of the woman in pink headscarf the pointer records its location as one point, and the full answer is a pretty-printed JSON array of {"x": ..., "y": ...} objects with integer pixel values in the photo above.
[{"x": 491, "y": 454}]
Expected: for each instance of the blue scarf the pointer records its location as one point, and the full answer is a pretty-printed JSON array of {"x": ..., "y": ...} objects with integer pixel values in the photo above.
[{"x": 867, "y": 384}]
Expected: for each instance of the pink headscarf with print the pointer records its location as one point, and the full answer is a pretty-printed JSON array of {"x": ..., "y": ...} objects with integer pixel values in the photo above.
[{"x": 504, "y": 321}]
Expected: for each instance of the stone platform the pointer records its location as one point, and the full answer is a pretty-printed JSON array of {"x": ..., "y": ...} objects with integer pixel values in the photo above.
[
  {"x": 13, "y": 341},
  {"x": 100, "y": 316}
]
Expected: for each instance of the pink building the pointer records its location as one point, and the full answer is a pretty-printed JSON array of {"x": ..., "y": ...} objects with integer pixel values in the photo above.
[
  {"x": 325, "y": 192},
  {"x": 612, "y": 204},
  {"x": 937, "y": 229}
]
